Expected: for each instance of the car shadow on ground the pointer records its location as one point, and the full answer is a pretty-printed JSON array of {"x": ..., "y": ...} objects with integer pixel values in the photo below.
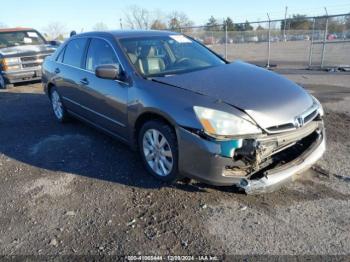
[{"x": 30, "y": 134}]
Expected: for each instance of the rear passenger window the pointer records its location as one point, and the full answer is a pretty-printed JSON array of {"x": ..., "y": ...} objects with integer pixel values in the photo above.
[
  {"x": 74, "y": 52},
  {"x": 100, "y": 53}
]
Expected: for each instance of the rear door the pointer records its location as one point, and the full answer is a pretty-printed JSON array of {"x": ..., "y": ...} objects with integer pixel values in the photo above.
[{"x": 69, "y": 72}]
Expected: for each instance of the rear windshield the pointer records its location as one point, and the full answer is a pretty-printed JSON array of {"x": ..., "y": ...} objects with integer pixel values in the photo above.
[
  {"x": 168, "y": 55},
  {"x": 17, "y": 38}
]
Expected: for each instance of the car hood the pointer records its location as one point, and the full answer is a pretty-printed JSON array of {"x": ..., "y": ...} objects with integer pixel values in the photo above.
[
  {"x": 268, "y": 98},
  {"x": 26, "y": 50}
]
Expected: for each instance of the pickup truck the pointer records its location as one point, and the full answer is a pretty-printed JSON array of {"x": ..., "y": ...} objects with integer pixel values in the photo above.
[{"x": 22, "y": 51}]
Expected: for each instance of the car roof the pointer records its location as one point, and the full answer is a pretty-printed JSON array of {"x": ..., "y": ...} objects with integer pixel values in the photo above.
[
  {"x": 15, "y": 29},
  {"x": 119, "y": 34}
]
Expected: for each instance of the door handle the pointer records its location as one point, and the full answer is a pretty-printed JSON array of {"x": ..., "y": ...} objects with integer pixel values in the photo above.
[
  {"x": 57, "y": 70},
  {"x": 84, "y": 81}
]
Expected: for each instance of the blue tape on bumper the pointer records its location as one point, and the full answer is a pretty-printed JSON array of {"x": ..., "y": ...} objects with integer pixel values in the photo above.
[{"x": 228, "y": 147}]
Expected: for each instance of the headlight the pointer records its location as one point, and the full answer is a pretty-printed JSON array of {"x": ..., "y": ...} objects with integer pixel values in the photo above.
[
  {"x": 11, "y": 60},
  {"x": 221, "y": 123},
  {"x": 7, "y": 63},
  {"x": 320, "y": 107},
  {"x": 13, "y": 67}
]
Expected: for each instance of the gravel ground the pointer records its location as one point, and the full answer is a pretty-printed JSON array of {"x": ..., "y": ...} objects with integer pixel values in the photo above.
[
  {"x": 291, "y": 54},
  {"x": 69, "y": 189}
]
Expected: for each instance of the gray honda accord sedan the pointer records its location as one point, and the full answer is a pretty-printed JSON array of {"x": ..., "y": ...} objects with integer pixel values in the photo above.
[{"x": 189, "y": 112}]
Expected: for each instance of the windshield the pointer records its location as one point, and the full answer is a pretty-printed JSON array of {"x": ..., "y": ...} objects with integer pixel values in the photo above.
[
  {"x": 17, "y": 38},
  {"x": 168, "y": 55}
]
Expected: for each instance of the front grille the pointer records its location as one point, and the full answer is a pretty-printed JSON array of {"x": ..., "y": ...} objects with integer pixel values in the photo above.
[
  {"x": 33, "y": 58},
  {"x": 310, "y": 116},
  {"x": 306, "y": 118},
  {"x": 33, "y": 61},
  {"x": 30, "y": 65},
  {"x": 28, "y": 58},
  {"x": 281, "y": 128}
]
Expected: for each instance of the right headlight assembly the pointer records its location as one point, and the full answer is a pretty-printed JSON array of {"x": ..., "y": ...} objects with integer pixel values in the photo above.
[
  {"x": 219, "y": 123},
  {"x": 320, "y": 107}
]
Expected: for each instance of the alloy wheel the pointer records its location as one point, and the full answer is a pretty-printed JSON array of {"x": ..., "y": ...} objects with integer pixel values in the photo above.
[
  {"x": 157, "y": 152},
  {"x": 57, "y": 105}
]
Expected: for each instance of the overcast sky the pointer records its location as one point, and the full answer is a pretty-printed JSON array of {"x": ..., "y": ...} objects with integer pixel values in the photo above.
[{"x": 84, "y": 14}]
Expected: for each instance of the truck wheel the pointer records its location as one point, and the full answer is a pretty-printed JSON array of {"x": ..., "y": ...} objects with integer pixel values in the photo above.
[
  {"x": 4, "y": 84},
  {"x": 158, "y": 148}
]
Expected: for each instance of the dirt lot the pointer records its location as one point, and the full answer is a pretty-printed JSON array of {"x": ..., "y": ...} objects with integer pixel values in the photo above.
[{"x": 68, "y": 189}]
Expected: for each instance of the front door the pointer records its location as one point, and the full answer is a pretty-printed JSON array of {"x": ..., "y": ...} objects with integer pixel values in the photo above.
[{"x": 104, "y": 100}]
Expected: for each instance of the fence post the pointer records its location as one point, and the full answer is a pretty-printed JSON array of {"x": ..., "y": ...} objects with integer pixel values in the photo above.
[
  {"x": 225, "y": 40},
  {"x": 269, "y": 44},
  {"x": 324, "y": 43},
  {"x": 284, "y": 25},
  {"x": 312, "y": 42}
]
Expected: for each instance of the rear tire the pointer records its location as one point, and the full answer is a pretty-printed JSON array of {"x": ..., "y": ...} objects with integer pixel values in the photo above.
[
  {"x": 159, "y": 152},
  {"x": 57, "y": 106}
]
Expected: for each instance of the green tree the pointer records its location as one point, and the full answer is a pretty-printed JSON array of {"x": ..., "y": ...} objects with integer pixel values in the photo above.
[
  {"x": 336, "y": 26},
  {"x": 247, "y": 26},
  {"x": 212, "y": 24},
  {"x": 244, "y": 27},
  {"x": 230, "y": 25},
  {"x": 297, "y": 22},
  {"x": 347, "y": 22}
]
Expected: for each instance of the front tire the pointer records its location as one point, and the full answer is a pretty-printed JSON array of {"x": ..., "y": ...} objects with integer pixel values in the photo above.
[
  {"x": 159, "y": 152},
  {"x": 57, "y": 106}
]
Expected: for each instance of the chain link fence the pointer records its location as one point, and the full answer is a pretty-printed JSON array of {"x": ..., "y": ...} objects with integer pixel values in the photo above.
[{"x": 298, "y": 42}]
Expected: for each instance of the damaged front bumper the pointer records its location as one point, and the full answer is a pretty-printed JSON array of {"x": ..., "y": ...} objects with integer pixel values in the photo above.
[
  {"x": 208, "y": 160},
  {"x": 275, "y": 178}
]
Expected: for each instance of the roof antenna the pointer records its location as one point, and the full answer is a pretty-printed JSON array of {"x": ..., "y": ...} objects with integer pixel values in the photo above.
[{"x": 73, "y": 33}]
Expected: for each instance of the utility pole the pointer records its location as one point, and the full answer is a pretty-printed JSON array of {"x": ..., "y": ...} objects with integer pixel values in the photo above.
[
  {"x": 121, "y": 24},
  {"x": 285, "y": 24}
]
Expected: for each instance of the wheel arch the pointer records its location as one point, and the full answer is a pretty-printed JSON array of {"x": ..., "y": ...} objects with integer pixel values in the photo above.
[
  {"x": 149, "y": 116},
  {"x": 49, "y": 87}
]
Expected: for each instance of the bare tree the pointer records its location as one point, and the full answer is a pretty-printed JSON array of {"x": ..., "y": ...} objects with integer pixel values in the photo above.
[
  {"x": 100, "y": 27},
  {"x": 158, "y": 25},
  {"x": 138, "y": 18},
  {"x": 178, "y": 20},
  {"x": 54, "y": 30}
]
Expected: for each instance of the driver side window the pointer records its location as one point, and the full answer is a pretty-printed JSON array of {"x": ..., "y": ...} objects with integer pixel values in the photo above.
[{"x": 99, "y": 53}]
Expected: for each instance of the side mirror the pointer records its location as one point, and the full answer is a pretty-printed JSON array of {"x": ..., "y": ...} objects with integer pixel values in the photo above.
[
  {"x": 54, "y": 43},
  {"x": 108, "y": 71}
]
